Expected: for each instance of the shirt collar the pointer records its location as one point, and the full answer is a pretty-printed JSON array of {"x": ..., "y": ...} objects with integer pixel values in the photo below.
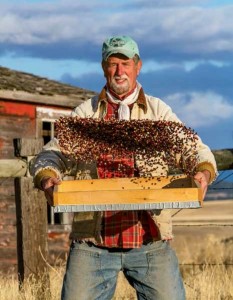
[{"x": 141, "y": 101}]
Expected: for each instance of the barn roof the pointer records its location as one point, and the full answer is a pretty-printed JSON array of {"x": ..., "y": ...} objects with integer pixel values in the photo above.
[{"x": 21, "y": 86}]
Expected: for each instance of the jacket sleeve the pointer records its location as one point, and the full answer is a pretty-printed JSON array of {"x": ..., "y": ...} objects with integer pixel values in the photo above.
[
  {"x": 50, "y": 162},
  {"x": 205, "y": 157}
]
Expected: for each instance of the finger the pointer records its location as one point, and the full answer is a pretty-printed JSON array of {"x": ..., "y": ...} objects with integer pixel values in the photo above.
[
  {"x": 202, "y": 180},
  {"x": 49, "y": 198},
  {"x": 56, "y": 181},
  {"x": 48, "y": 187},
  {"x": 50, "y": 182}
]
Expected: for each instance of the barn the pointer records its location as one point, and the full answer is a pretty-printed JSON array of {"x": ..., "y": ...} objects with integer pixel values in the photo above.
[{"x": 29, "y": 106}]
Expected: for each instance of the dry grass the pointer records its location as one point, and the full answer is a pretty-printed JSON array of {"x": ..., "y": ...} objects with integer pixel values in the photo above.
[
  {"x": 32, "y": 288},
  {"x": 214, "y": 277},
  {"x": 211, "y": 281}
]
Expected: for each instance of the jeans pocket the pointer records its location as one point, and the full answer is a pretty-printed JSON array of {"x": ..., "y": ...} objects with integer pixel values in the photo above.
[{"x": 158, "y": 256}]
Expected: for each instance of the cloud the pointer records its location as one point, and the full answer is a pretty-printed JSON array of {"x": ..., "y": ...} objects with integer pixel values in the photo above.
[
  {"x": 202, "y": 78},
  {"x": 167, "y": 31},
  {"x": 201, "y": 109}
]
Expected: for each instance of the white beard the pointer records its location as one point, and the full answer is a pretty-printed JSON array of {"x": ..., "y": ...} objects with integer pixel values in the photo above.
[{"x": 120, "y": 89}]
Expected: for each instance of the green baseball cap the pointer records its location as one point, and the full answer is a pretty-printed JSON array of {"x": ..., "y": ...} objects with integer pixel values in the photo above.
[{"x": 119, "y": 44}]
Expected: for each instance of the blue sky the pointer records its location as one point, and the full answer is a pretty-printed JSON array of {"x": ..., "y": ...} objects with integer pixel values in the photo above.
[{"x": 186, "y": 47}]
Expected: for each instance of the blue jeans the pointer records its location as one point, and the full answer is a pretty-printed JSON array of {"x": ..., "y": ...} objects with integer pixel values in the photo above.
[{"x": 152, "y": 270}]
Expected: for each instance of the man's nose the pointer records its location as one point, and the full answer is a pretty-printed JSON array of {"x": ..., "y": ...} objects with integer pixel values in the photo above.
[{"x": 120, "y": 70}]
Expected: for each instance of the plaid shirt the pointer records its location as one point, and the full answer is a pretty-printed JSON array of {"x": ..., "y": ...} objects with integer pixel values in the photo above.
[{"x": 123, "y": 229}]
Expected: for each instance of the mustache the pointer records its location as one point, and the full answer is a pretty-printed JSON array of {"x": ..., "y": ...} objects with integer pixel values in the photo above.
[{"x": 121, "y": 77}]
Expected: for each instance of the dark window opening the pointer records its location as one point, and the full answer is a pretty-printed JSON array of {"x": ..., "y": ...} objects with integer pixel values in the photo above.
[{"x": 47, "y": 131}]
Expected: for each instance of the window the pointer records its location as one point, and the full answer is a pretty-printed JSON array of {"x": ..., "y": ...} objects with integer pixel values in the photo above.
[{"x": 47, "y": 131}]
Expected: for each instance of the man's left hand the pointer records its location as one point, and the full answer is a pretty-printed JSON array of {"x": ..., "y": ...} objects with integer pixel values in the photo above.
[{"x": 203, "y": 178}]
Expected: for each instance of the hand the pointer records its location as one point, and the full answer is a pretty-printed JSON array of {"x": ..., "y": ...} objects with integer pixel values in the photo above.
[
  {"x": 47, "y": 185},
  {"x": 203, "y": 178}
]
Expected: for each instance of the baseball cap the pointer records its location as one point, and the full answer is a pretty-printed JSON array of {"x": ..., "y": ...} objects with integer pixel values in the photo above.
[{"x": 119, "y": 44}]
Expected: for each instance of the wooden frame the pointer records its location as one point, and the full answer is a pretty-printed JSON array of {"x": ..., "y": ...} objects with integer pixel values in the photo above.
[{"x": 127, "y": 194}]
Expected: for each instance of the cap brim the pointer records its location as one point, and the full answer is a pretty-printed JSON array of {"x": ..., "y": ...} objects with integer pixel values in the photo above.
[{"x": 128, "y": 54}]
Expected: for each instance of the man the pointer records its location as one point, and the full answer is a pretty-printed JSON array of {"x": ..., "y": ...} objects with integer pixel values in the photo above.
[{"x": 136, "y": 242}]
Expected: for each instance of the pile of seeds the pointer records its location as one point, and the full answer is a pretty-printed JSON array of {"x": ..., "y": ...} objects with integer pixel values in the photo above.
[{"x": 156, "y": 142}]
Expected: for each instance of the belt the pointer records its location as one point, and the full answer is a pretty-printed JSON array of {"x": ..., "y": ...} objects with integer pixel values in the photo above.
[{"x": 114, "y": 249}]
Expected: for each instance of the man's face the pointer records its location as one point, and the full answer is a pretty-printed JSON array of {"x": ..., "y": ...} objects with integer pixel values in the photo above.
[{"x": 121, "y": 73}]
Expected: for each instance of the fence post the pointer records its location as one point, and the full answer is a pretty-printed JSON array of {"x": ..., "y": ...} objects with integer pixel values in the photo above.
[{"x": 32, "y": 228}]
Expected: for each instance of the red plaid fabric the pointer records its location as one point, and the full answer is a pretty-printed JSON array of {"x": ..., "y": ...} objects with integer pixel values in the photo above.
[{"x": 123, "y": 229}]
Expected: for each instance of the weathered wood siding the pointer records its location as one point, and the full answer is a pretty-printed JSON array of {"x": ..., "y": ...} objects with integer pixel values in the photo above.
[
  {"x": 8, "y": 247},
  {"x": 19, "y": 120},
  {"x": 16, "y": 120}
]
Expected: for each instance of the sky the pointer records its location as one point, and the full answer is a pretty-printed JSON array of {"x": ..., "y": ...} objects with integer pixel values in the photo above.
[{"x": 186, "y": 47}]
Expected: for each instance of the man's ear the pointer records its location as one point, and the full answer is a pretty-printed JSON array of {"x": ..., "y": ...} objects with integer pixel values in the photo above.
[
  {"x": 103, "y": 64},
  {"x": 139, "y": 66}
]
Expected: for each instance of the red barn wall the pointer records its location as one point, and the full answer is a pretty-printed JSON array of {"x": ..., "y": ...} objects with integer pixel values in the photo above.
[{"x": 17, "y": 120}]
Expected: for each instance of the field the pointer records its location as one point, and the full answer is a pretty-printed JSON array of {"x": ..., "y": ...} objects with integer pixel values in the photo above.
[
  {"x": 205, "y": 252},
  {"x": 206, "y": 283},
  {"x": 211, "y": 281}
]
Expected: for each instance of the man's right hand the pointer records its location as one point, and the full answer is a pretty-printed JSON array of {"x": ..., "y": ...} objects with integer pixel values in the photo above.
[{"x": 47, "y": 185}]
